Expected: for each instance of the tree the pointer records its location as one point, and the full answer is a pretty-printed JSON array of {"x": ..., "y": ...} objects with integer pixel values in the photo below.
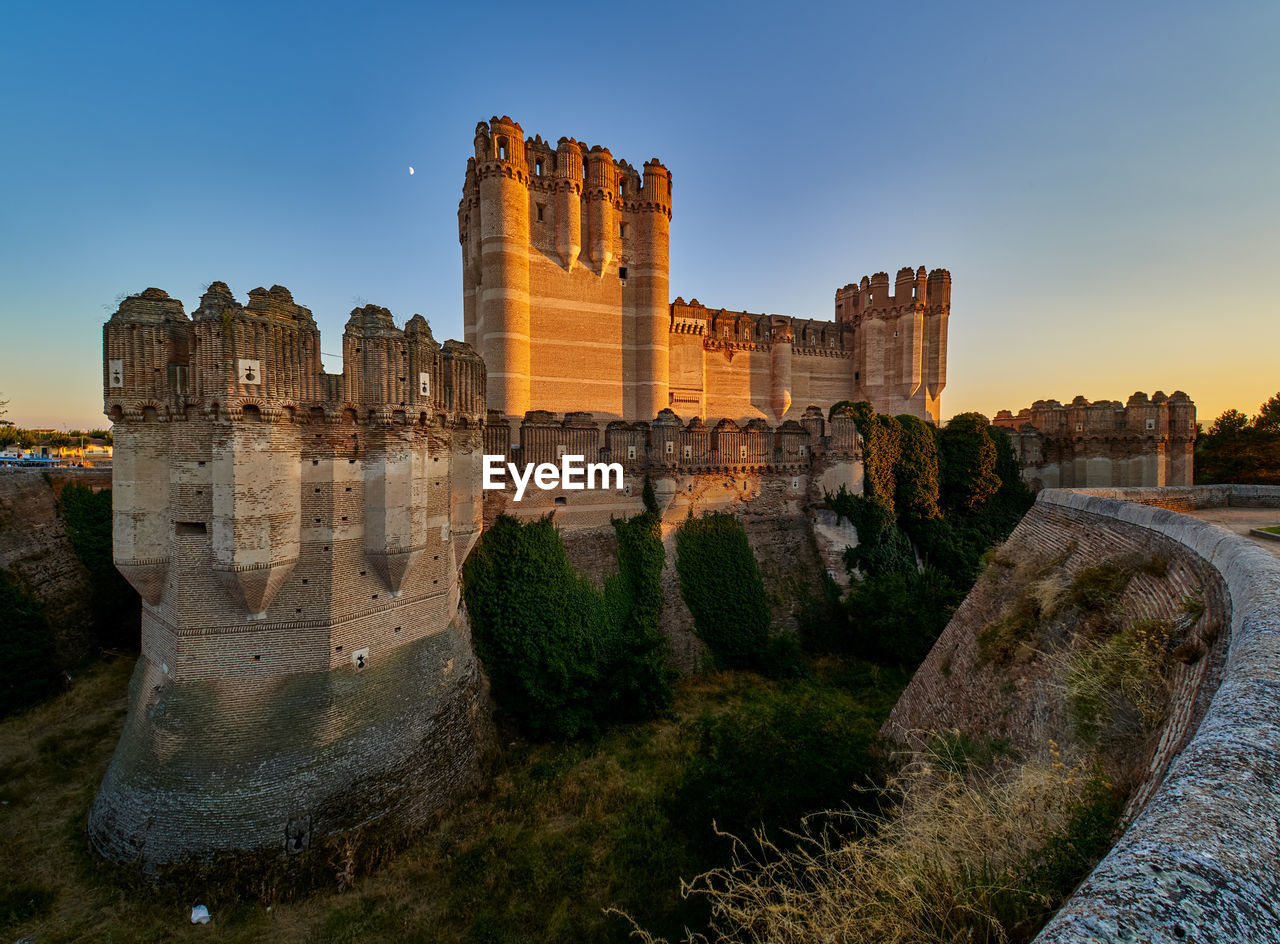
[
  {"x": 968, "y": 459},
  {"x": 1230, "y": 423},
  {"x": 1268, "y": 418}
]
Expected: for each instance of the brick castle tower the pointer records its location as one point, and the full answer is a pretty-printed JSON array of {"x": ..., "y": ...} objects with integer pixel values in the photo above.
[
  {"x": 295, "y": 537},
  {"x": 565, "y": 275}
]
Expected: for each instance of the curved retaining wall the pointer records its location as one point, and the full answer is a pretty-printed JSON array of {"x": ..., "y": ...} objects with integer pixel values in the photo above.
[{"x": 1201, "y": 859}]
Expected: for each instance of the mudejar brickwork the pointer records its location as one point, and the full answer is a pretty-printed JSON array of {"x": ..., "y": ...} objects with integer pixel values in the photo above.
[
  {"x": 296, "y": 538},
  {"x": 565, "y": 276}
]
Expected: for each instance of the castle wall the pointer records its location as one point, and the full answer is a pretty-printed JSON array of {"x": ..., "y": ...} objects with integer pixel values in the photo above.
[
  {"x": 1142, "y": 443},
  {"x": 291, "y": 534},
  {"x": 772, "y": 479},
  {"x": 1189, "y": 862},
  {"x": 566, "y": 292}
]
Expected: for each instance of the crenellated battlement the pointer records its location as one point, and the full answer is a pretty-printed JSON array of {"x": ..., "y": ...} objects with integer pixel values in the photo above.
[
  {"x": 265, "y": 354},
  {"x": 669, "y": 445},
  {"x": 912, "y": 290},
  {"x": 296, "y": 538},
  {"x": 1146, "y": 441}
]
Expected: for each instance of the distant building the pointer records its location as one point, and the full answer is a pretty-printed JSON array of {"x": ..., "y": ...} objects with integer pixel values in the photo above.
[{"x": 1145, "y": 442}]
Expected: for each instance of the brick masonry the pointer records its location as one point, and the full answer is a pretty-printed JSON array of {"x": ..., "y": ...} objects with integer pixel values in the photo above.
[
  {"x": 296, "y": 538},
  {"x": 1200, "y": 858},
  {"x": 565, "y": 282}
]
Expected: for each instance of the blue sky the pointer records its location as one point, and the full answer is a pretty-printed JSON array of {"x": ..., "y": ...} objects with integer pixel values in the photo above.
[{"x": 1099, "y": 178}]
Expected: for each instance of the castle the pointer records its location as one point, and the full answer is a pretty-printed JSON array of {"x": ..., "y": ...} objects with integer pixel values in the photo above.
[
  {"x": 1144, "y": 442},
  {"x": 565, "y": 275},
  {"x": 295, "y": 537}
]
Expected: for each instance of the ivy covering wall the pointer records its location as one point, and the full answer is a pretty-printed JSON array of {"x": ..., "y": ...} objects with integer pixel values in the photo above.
[
  {"x": 934, "y": 501},
  {"x": 721, "y": 584},
  {"x": 564, "y": 657}
]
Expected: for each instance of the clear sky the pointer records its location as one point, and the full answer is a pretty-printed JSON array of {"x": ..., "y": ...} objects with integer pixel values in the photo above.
[{"x": 1100, "y": 178}]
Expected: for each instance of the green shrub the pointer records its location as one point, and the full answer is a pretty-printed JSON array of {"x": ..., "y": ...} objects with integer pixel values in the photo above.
[
  {"x": 968, "y": 461},
  {"x": 896, "y": 618},
  {"x": 777, "y": 757},
  {"x": 721, "y": 583},
  {"x": 561, "y": 655},
  {"x": 27, "y": 669},
  {"x": 916, "y": 472},
  {"x": 649, "y": 497}
]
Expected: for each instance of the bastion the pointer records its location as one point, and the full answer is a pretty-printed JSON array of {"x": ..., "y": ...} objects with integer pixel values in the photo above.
[{"x": 296, "y": 538}]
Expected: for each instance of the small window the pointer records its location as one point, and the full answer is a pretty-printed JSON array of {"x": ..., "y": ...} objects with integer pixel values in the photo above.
[
  {"x": 688, "y": 452},
  {"x": 742, "y": 452},
  {"x": 622, "y": 230},
  {"x": 795, "y": 482},
  {"x": 631, "y": 452},
  {"x": 189, "y": 527},
  {"x": 561, "y": 500},
  {"x": 622, "y": 273},
  {"x": 1151, "y": 424},
  {"x": 541, "y": 209},
  {"x": 537, "y": 169},
  {"x": 671, "y": 447},
  {"x": 726, "y": 331},
  {"x": 620, "y": 194}
]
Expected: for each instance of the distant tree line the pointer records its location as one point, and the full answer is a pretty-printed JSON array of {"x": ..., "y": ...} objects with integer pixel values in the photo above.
[
  {"x": 1241, "y": 450},
  {"x": 29, "y": 439}
]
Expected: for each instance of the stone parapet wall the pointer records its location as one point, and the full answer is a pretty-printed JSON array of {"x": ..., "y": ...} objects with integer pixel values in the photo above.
[
  {"x": 955, "y": 688},
  {"x": 1201, "y": 859}
]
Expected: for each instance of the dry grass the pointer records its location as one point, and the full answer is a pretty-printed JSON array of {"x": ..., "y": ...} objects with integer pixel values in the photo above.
[
  {"x": 555, "y": 834},
  {"x": 957, "y": 862}
]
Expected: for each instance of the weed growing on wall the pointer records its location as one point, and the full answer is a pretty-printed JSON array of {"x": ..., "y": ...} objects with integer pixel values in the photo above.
[
  {"x": 562, "y": 656},
  {"x": 1117, "y": 688}
]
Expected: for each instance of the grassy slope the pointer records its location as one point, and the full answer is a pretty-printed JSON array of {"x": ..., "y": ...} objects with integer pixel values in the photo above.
[{"x": 557, "y": 834}]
